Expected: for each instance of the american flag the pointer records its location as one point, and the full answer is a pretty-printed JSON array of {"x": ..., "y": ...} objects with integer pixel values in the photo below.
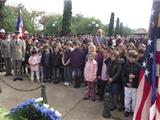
[
  {"x": 148, "y": 100},
  {"x": 19, "y": 24}
]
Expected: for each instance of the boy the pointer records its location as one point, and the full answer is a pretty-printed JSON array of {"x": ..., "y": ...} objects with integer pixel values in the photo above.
[
  {"x": 130, "y": 77},
  {"x": 46, "y": 63},
  {"x": 56, "y": 62},
  {"x": 76, "y": 63}
]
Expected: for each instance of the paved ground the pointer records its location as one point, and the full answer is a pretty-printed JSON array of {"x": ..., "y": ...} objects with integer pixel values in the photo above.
[{"x": 61, "y": 98}]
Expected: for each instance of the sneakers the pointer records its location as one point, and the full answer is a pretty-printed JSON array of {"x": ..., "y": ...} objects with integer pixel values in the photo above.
[{"x": 66, "y": 84}]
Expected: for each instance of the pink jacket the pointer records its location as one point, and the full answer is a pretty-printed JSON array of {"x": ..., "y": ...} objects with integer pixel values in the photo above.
[
  {"x": 90, "y": 71},
  {"x": 34, "y": 62}
]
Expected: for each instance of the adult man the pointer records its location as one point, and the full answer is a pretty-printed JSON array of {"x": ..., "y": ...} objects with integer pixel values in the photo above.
[
  {"x": 18, "y": 55},
  {"x": 100, "y": 39},
  {"x": 6, "y": 53},
  {"x": 2, "y": 37}
]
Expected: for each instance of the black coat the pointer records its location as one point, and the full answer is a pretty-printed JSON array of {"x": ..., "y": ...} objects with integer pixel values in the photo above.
[
  {"x": 45, "y": 61},
  {"x": 56, "y": 60},
  {"x": 114, "y": 70}
]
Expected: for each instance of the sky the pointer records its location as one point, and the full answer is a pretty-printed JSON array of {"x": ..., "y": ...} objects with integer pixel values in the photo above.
[{"x": 133, "y": 13}]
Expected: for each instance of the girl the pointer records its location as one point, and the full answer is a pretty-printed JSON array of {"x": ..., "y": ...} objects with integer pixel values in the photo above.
[
  {"x": 90, "y": 72},
  {"x": 103, "y": 76},
  {"x": 34, "y": 61}
]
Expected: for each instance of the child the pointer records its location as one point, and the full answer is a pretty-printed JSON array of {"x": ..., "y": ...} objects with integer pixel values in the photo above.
[
  {"x": 90, "y": 72},
  {"x": 34, "y": 65},
  {"x": 66, "y": 64},
  {"x": 91, "y": 49},
  {"x": 130, "y": 77},
  {"x": 103, "y": 77},
  {"x": 56, "y": 62},
  {"x": 76, "y": 63},
  {"x": 141, "y": 52},
  {"x": 122, "y": 59},
  {"x": 46, "y": 64},
  {"x": 99, "y": 59},
  {"x": 114, "y": 69}
]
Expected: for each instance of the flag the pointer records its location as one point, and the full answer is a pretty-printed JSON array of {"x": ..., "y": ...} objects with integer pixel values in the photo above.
[
  {"x": 147, "y": 98},
  {"x": 159, "y": 20},
  {"x": 19, "y": 24}
]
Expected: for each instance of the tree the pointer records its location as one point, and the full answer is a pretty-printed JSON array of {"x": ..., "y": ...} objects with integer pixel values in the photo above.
[
  {"x": 52, "y": 24},
  {"x": 67, "y": 15},
  {"x": 83, "y": 25},
  {"x": 121, "y": 29},
  {"x": 117, "y": 27},
  {"x": 111, "y": 25},
  {"x": 127, "y": 31},
  {"x": 11, "y": 17},
  {"x": 2, "y": 13}
]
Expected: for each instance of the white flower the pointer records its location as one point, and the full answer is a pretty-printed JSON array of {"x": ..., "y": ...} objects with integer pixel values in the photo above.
[
  {"x": 46, "y": 106},
  {"x": 58, "y": 114},
  {"x": 39, "y": 99},
  {"x": 52, "y": 109}
]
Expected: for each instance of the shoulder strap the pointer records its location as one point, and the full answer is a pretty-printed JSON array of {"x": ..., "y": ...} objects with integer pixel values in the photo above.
[{"x": 97, "y": 40}]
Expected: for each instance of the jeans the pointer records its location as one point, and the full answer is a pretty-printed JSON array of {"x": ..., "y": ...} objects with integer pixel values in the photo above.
[
  {"x": 67, "y": 74},
  {"x": 76, "y": 72},
  {"x": 46, "y": 72},
  {"x": 56, "y": 73}
]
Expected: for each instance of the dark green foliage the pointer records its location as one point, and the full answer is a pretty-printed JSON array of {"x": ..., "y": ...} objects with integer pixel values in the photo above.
[
  {"x": 121, "y": 29},
  {"x": 2, "y": 14},
  {"x": 67, "y": 15},
  {"x": 11, "y": 17},
  {"x": 117, "y": 27},
  {"x": 111, "y": 25}
]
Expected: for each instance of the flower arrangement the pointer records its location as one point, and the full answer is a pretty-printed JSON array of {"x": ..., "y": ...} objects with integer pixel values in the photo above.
[{"x": 34, "y": 109}]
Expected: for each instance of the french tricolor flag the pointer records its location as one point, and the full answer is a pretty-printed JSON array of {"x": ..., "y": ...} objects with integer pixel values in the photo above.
[{"x": 19, "y": 24}]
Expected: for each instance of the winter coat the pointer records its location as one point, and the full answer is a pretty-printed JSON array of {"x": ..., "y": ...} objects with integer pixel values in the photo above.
[
  {"x": 90, "y": 71},
  {"x": 131, "y": 68},
  {"x": 114, "y": 70},
  {"x": 34, "y": 62}
]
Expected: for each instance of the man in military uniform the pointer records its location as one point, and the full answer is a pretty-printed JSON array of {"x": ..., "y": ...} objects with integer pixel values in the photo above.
[
  {"x": 17, "y": 55},
  {"x": 6, "y": 53},
  {"x": 2, "y": 37}
]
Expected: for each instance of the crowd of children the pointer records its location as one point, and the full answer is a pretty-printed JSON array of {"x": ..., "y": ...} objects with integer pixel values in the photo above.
[
  {"x": 73, "y": 62},
  {"x": 76, "y": 61}
]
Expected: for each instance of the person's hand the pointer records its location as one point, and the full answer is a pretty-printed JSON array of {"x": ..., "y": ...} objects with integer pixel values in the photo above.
[
  {"x": 131, "y": 76},
  {"x": 23, "y": 59},
  {"x": 130, "y": 80},
  {"x": 110, "y": 80},
  {"x": 99, "y": 77},
  {"x": 129, "y": 85}
]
